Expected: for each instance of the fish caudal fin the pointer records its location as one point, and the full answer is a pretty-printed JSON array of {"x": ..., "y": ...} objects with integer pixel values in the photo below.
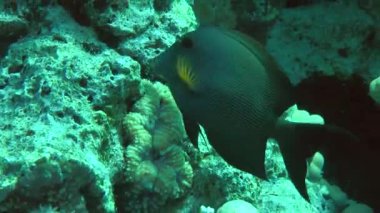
[{"x": 299, "y": 141}]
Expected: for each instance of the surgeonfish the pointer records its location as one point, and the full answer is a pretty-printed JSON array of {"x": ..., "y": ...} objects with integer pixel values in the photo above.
[{"x": 227, "y": 82}]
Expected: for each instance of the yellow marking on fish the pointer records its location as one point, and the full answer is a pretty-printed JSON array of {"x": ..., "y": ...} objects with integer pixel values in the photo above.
[{"x": 184, "y": 72}]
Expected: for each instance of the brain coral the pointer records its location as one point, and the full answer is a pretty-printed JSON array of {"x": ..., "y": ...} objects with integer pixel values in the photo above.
[{"x": 155, "y": 162}]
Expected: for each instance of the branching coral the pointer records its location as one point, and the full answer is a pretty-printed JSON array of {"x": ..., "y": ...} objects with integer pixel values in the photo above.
[{"x": 156, "y": 164}]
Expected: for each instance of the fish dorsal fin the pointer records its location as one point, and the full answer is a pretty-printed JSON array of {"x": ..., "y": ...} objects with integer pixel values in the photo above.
[
  {"x": 252, "y": 45},
  {"x": 259, "y": 51}
]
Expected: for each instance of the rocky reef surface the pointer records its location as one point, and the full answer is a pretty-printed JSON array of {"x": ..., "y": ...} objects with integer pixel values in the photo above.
[{"x": 82, "y": 129}]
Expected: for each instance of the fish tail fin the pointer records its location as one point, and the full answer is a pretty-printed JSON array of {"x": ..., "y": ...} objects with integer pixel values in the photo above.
[{"x": 299, "y": 141}]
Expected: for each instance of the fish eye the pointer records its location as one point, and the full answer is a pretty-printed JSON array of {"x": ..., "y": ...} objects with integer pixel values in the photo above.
[{"x": 187, "y": 42}]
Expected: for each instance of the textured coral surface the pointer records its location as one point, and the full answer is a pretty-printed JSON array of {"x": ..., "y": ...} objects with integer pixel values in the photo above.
[
  {"x": 64, "y": 93},
  {"x": 82, "y": 131}
]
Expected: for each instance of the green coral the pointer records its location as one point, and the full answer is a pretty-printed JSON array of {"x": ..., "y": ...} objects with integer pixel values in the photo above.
[{"x": 155, "y": 162}]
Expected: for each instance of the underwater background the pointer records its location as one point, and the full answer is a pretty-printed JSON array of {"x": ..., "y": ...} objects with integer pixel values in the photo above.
[{"x": 85, "y": 126}]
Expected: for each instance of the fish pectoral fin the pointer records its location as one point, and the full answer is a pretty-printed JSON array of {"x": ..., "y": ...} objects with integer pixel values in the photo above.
[{"x": 192, "y": 130}]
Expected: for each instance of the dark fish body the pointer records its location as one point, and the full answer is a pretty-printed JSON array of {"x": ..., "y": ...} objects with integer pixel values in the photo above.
[
  {"x": 236, "y": 99},
  {"x": 226, "y": 82}
]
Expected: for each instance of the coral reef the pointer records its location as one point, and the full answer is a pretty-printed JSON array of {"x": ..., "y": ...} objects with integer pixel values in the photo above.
[
  {"x": 336, "y": 43},
  {"x": 80, "y": 131},
  {"x": 54, "y": 146},
  {"x": 236, "y": 206},
  {"x": 63, "y": 97},
  {"x": 374, "y": 90},
  {"x": 155, "y": 162},
  {"x": 315, "y": 167},
  {"x": 215, "y": 12},
  {"x": 253, "y": 17},
  {"x": 12, "y": 27},
  {"x": 141, "y": 29}
]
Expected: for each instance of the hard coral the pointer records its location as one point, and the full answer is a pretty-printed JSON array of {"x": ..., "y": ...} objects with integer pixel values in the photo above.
[
  {"x": 314, "y": 168},
  {"x": 215, "y": 12},
  {"x": 156, "y": 163},
  {"x": 374, "y": 90}
]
